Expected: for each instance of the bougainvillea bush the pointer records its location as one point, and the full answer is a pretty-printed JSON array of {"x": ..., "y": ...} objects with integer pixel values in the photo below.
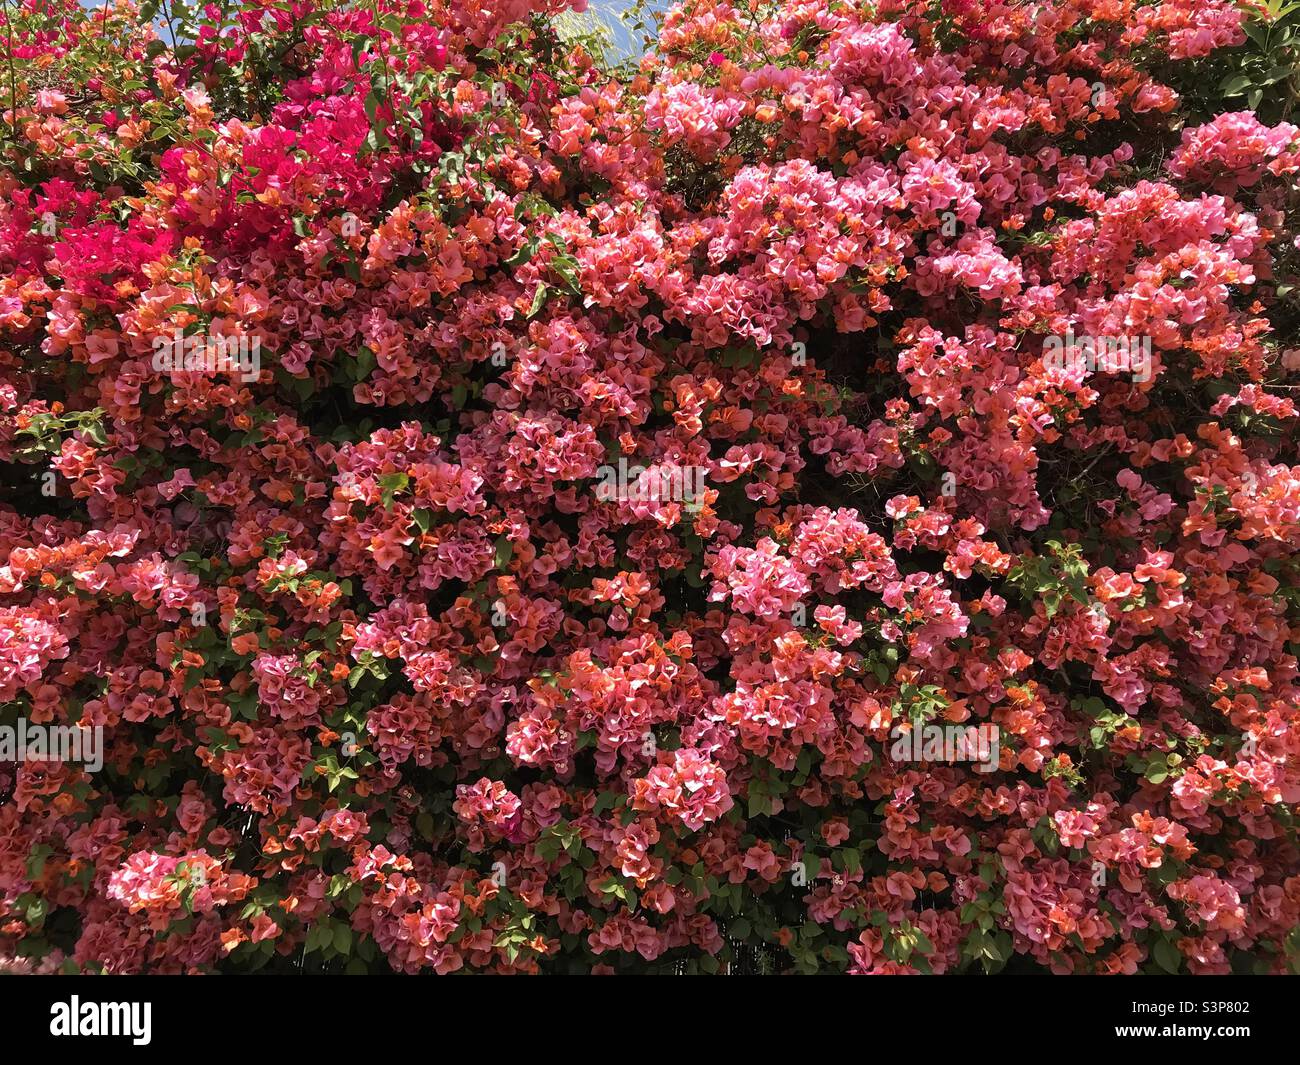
[{"x": 501, "y": 511}]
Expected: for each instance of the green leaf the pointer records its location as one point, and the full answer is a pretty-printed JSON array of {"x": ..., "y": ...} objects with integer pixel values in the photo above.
[
  {"x": 364, "y": 363},
  {"x": 36, "y": 860},
  {"x": 539, "y": 300},
  {"x": 1167, "y": 956},
  {"x": 525, "y": 252},
  {"x": 390, "y": 484}
]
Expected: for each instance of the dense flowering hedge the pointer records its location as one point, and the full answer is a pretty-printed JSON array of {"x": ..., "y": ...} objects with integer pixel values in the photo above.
[{"x": 386, "y": 682}]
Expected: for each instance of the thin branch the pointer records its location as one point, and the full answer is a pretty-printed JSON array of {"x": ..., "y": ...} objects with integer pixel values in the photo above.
[{"x": 13, "y": 76}]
